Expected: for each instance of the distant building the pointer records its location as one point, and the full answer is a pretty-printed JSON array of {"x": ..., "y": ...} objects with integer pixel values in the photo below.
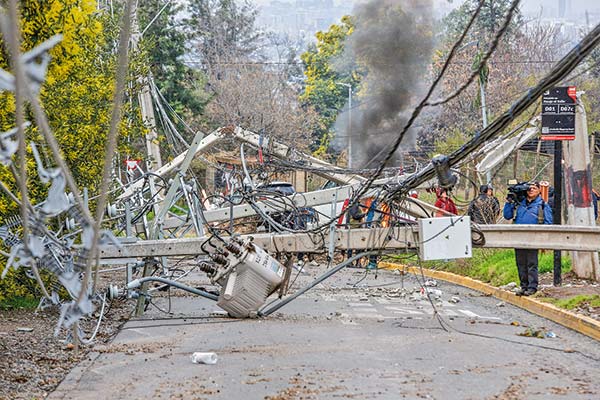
[
  {"x": 299, "y": 20},
  {"x": 564, "y": 8}
]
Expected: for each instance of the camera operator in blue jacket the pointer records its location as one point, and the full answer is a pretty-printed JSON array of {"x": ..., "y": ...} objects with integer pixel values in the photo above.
[{"x": 530, "y": 209}]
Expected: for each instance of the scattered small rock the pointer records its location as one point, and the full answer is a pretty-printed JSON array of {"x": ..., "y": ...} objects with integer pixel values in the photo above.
[
  {"x": 536, "y": 333},
  {"x": 435, "y": 292},
  {"x": 509, "y": 286},
  {"x": 430, "y": 283}
]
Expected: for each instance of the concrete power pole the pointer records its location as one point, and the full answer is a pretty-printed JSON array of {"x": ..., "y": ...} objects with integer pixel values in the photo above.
[
  {"x": 145, "y": 99},
  {"x": 152, "y": 148},
  {"x": 578, "y": 191}
]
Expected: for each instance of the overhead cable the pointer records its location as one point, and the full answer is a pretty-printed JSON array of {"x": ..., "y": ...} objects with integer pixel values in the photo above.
[{"x": 559, "y": 72}]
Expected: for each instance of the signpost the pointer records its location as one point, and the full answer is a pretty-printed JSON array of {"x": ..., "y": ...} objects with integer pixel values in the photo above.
[
  {"x": 558, "y": 113},
  {"x": 558, "y": 123}
]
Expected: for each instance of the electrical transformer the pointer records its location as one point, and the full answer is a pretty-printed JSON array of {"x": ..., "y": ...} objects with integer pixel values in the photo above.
[{"x": 249, "y": 277}]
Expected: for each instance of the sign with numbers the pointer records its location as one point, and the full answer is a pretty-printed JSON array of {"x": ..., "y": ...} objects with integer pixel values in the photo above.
[{"x": 558, "y": 113}]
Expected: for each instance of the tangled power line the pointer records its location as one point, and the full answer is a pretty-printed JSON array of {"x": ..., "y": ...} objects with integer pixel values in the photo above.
[{"x": 35, "y": 246}]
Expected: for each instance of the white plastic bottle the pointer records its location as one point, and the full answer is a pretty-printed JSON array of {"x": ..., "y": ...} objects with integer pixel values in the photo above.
[{"x": 204, "y": 358}]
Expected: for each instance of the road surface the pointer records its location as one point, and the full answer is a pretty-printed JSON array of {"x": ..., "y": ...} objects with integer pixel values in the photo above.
[{"x": 355, "y": 336}]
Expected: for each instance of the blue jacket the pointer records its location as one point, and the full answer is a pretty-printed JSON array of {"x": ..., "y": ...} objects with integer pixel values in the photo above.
[{"x": 527, "y": 213}]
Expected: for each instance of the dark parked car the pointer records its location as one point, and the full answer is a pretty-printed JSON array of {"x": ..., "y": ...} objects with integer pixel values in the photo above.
[
  {"x": 282, "y": 188},
  {"x": 297, "y": 219}
]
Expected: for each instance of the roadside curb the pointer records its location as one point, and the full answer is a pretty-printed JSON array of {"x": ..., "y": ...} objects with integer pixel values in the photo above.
[
  {"x": 577, "y": 322},
  {"x": 69, "y": 385}
]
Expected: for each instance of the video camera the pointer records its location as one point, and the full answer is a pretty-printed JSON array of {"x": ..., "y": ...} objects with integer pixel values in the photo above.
[{"x": 517, "y": 191}]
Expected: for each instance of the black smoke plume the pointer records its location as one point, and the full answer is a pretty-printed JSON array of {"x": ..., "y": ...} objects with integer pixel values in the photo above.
[{"x": 393, "y": 42}]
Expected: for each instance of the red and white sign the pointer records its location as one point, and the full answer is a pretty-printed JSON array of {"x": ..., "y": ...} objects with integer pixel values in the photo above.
[{"x": 132, "y": 165}]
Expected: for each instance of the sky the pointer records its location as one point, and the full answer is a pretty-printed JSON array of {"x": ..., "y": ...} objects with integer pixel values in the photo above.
[{"x": 532, "y": 7}]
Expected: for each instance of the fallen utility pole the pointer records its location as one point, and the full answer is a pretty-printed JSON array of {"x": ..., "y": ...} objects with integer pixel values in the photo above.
[
  {"x": 282, "y": 151},
  {"x": 205, "y": 144},
  {"x": 145, "y": 99},
  {"x": 574, "y": 238},
  {"x": 499, "y": 149}
]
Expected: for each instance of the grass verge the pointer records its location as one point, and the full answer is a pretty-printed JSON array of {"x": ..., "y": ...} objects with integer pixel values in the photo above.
[
  {"x": 494, "y": 266},
  {"x": 17, "y": 302},
  {"x": 571, "y": 303}
]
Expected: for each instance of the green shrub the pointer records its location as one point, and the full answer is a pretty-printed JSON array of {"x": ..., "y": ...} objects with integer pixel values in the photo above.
[{"x": 18, "y": 290}]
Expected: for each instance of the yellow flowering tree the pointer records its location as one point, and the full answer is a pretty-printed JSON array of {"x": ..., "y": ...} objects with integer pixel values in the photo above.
[
  {"x": 322, "y": 90},
  {"x": 76, "y": 96}
]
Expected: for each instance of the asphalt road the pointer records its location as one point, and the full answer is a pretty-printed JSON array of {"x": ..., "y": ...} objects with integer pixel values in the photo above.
[{"x": 357, "y": 336}]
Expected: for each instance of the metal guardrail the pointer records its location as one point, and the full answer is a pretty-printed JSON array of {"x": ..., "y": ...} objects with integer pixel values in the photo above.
[{"x": 574, "y": 238}]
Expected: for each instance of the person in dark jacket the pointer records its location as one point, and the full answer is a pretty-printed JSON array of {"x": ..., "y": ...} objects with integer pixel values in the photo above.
[
  {"x": 485, "y": 208},
  {"x": 531, "y": 210},
  {"x": 595, "y": 198},
  {"x": 551, "y": 197}
]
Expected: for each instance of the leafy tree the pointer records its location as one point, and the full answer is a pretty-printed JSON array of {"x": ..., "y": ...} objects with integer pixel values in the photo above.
[
  {"x": 164, "y": 42},
  {"x": 222, "y": 32},
  {"x": 273, "y": 106},
  {"x": 77, "y": 94},
  {"x": 322, "y": 89},
  {"x": 286, "y": 51},
  {"x": 488, "y": 22}
]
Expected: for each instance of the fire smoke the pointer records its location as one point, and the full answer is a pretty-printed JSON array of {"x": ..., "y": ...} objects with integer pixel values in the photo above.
[{"x": 392, "y": 41}]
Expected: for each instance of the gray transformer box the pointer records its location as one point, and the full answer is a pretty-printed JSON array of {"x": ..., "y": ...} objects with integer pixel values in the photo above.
[
  {"x": 445, "y": 238},
  {"x": 256, "y": 275}
]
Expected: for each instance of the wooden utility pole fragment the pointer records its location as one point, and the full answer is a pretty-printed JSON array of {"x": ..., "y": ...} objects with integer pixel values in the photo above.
[{"x": 578, "y": 192}]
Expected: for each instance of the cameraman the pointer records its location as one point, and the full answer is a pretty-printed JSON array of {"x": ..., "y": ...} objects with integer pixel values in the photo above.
[{"x": 530, "y": 209}]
